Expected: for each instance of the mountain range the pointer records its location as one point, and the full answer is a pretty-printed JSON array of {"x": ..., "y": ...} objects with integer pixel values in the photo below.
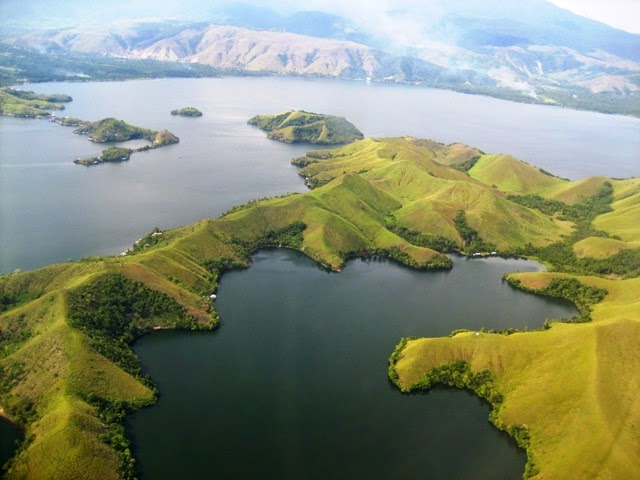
[{"x": 531, "y": 49}]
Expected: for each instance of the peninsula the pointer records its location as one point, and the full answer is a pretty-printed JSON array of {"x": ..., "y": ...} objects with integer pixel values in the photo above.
[
  {"x": 298, "y": 126},
  {"x": 68, "y": 371},
  {"x": 21, "y": 103}
]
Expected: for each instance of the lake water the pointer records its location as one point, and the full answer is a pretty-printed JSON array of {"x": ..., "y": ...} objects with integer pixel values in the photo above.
[
  {"x": 52, "y": 210},
  {"x": 294, "y": 383}
]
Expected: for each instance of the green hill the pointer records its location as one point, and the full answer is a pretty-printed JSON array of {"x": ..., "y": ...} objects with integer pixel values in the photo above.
[
  {"x": 298, "y": 126},
  {"x": 67, "y": 372},
  {"x": 569, "y": 393},
  {"x": 20, "y": 103},
  {"x": 114, "y": 130}
]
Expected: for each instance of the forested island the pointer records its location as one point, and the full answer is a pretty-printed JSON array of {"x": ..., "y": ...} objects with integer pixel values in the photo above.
[
  {"x": 187, "y": 112},
  {"x": 68, "y": 371},
  {"x": 298, "y": 126},
  {"x": 114, "y": 130}
]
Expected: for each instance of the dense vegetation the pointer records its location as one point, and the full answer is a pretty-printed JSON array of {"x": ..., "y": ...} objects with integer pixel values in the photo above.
[
  {"x": 187, "y": 112},
  {"x": 583, "y": 296},
  {"x": 470, "y": 236},
  {"x": 115, "y": 310},
  {"x": 298, "y": 126},
  {"x": 115, "y": 154},
  {"x": 19, "y": 65}
]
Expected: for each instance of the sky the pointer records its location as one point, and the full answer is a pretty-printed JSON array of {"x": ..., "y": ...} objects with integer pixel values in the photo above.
[{"x": 623, "y": 14}]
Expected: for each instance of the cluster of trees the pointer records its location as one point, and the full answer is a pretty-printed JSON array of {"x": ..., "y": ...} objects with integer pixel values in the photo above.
[
  {"x": 582, "y": 212},
  {"x": 625, "y": 263},
  {"x": 115, "y": 310},
  {"x": 466, "y": 165},
  {"x": 572, "y": 289},
  {"x": 115, "y": 154},
  {"x": 288, "y": 236},
  {"x": 113, "y": 414},
  {"x": 187, "y": 112},
  {"x": 434, "y": 242},
  {"x": 472, "y": 242}
]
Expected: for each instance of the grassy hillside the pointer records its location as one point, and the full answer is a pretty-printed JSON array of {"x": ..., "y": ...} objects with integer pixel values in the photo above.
[
  {"x": 69, "y": 376},
  {"x": 19, "y": 103},
  {"x": 298, "y": 126},
  {"x": 573, "y": 387},
  {"x": 431, "y": 193}
]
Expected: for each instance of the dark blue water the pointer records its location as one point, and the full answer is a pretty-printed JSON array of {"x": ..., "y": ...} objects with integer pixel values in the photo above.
[{"x": 294, "y": 383}]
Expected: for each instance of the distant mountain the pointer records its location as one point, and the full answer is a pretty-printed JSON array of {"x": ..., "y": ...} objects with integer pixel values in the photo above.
[
  {"x": 242, "y": 48},
  {"x": 529, "y": 50}
]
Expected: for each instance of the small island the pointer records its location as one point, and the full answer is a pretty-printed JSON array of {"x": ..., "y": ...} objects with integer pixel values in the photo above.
[
  {"x": 114, "y": 130},
  {"x": 298, "y": 126},
  {"x": 111, "y": 154},
  {"x": 187, "y": 112}
]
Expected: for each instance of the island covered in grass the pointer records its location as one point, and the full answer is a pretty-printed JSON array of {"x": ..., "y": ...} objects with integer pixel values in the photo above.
[
  {"x": 298, "y": 126},
  {"x": 21, "y": 103},
  {"x": 187, "y": 112},
  {"x": 566, "y": 393}
]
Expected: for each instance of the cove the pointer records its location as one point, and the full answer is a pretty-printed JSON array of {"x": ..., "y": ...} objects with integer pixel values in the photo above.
[
  {"x": 10, "y": 436},
  {"x": 294, "y": 385}
]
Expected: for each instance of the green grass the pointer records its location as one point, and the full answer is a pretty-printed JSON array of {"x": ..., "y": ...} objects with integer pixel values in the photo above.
[
  {"x": 296, "y": 126},
  {"x": 18, "y": 103},
  {"x": 565, "y": 384},
  {"x": 600, "y": 247}
]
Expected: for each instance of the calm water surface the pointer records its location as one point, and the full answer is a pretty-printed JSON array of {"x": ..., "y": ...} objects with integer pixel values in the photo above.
[
  {"x": 53, "y": 210},
  {"x": 294, "y": 384}
]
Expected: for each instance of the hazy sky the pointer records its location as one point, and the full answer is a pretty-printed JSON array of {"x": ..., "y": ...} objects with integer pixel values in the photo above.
[{"x": 624, "y": 14}]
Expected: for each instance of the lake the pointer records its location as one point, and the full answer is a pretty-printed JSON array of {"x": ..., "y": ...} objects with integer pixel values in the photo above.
[
  {"x": 53, "y": 210},
  {"x": 294, "y": 383}
]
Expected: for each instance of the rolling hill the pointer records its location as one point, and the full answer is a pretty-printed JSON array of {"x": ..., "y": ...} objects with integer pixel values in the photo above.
[{"x": 69, "y": 375}]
